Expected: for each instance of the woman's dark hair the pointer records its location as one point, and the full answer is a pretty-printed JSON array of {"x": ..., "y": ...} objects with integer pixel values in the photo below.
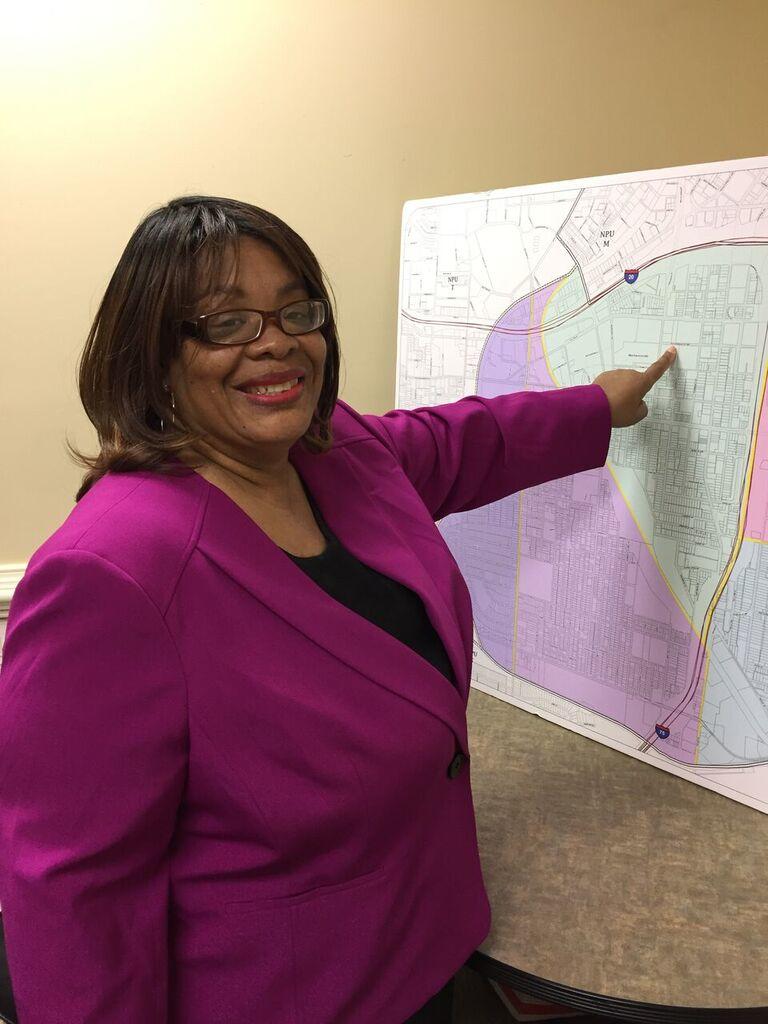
[{"x": 174, "y": 253}]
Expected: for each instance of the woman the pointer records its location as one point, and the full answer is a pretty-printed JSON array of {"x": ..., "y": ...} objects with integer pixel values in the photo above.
[{"x": 235, "y": 778}]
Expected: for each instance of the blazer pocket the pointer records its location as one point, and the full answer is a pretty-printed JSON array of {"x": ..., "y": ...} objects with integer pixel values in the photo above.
[
  {"x": 309, "y": 894},
  {"x": 233, "y": 967},
  {"x": 335, "y": 934},
  {"x": 340, "y": 939}
]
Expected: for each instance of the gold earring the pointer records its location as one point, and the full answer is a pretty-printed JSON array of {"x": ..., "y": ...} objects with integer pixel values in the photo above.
[{"x": 173, "y": 408}]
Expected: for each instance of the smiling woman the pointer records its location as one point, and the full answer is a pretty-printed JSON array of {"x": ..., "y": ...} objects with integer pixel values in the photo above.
[
  {"x": 233, "y": 703},
  {"x": 243, "y": 437},
  {"x": 185, "y": 263}
]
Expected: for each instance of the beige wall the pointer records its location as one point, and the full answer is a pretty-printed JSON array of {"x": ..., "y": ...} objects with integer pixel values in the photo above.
[{"x": 331, "y": 114}]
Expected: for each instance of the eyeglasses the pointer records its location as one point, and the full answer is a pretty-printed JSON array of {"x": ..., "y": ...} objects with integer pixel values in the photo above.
[{"x": 238, "y": 326}]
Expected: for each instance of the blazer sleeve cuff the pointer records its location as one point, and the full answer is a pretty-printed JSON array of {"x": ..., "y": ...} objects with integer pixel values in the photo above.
[{"x": 588, "y": 408}]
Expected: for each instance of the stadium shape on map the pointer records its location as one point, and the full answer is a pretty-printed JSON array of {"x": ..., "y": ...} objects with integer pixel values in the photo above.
[{"x": 628, "y": 603}]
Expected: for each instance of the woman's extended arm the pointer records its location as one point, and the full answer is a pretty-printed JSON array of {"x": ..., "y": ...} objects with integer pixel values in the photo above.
[{"x": 468, "y": 453}]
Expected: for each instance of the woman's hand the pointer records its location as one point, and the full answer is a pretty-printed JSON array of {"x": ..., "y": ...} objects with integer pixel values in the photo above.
[{"x": 627, "y": 388}]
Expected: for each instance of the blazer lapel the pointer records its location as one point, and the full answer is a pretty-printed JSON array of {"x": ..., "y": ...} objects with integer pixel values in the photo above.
[{"x": 363, "y": 526}]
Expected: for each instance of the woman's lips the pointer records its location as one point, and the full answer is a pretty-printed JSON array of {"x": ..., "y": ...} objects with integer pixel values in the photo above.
[{"x": 280, "y": 398}]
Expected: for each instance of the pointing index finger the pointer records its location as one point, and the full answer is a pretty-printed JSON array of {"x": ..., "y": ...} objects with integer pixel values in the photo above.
[{"x": 657, "y": 369}]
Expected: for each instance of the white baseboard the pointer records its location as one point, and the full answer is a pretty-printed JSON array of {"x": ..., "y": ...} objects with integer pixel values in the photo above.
[{"x": 10, "y": 574}]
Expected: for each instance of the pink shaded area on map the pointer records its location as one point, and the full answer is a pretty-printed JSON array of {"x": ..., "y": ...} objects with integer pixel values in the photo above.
[
  {"x": 596, "y": 622},
  {"x": 756, "y": 525}
]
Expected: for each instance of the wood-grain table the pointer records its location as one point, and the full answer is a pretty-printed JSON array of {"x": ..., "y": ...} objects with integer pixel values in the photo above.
[{"x": 615, "y": 887}]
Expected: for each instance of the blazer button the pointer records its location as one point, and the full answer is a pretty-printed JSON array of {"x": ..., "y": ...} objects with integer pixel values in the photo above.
[{"x": 456, "y": 765}]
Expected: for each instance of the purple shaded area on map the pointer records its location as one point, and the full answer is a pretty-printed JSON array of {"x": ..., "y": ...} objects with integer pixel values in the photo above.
[{"x": 595, "y": 620}]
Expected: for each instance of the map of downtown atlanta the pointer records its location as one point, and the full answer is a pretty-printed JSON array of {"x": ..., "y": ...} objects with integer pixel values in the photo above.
[{"x": 628, "y": 603}]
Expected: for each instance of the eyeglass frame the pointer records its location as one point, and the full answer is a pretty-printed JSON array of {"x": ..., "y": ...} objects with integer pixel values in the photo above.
[{"x": 198, "y": 323}]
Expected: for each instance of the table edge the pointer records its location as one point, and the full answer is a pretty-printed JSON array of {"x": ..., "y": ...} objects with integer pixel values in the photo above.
[{"x": 623, "y": 1009}]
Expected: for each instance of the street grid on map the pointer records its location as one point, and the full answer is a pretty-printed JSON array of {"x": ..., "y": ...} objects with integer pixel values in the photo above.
[{"x": 629, "y": 603}]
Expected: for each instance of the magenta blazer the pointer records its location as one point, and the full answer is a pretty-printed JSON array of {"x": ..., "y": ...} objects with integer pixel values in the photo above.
[{"x": 226, "y": 798}]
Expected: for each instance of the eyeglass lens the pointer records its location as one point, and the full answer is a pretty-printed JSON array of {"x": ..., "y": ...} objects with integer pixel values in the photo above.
[{"x": 241, "y": 325}]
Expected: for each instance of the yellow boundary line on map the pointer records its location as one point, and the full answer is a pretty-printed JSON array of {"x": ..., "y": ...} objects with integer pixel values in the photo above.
[
  {"x": 520, "y": 494},
  {"x": 737, "y": 547},
  {"x": 729, "y": 567}
]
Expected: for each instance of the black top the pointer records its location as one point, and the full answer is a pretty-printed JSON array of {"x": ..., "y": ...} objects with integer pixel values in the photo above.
[{"x": 378, "y": 598}]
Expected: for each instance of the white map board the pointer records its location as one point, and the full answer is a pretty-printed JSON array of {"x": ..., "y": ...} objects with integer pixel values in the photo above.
[{"x": 629, "y": 603}]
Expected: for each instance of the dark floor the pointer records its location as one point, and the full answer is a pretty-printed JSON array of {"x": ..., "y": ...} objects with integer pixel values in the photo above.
[{"x": 475, "y": 1002}]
